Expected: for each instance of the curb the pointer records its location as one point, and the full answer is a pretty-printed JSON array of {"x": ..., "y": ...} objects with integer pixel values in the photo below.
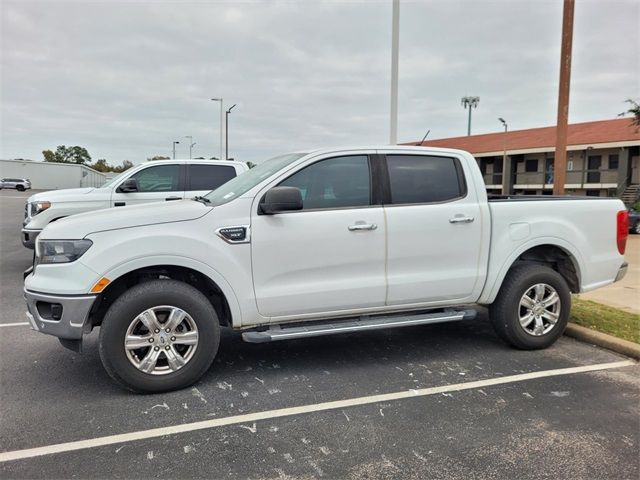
[{"x": 623, "y": 347}]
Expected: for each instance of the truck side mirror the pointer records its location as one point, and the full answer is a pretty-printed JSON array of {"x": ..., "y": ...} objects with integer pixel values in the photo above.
[
  {"x": 281, "y": 199},
  {"x": 128, "y": 186}
]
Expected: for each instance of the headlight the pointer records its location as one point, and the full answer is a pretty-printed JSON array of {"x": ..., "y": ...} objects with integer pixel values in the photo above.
[
  {"x": 38, "y": 207},
  {"x": 60, "y": 251}
]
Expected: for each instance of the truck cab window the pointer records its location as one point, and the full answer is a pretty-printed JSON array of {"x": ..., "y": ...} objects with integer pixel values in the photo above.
[
  {"x": 340, "y": 182},
  {"x": 423, "y": 179}
]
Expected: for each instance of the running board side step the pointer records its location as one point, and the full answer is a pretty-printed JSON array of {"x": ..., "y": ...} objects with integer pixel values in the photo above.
[{"x": 363, "y": 323}]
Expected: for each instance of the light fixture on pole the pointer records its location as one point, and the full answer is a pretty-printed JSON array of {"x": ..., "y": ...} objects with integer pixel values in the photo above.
[
  {"x": 191, "y": 145},
  {"x": 221, "y": 112},
  {"x": 226, "y": 130},
  {"x": 505, "y": 186},
  {"x": 174, "y": 149},
  {"x": 469, "y": 102}
]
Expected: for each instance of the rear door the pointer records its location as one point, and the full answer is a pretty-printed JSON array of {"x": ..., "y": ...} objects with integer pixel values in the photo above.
[
  {"x": 156, "y": 183},
  {"x": 434, "y": 231},
  {"x": 202, "y": 178}
]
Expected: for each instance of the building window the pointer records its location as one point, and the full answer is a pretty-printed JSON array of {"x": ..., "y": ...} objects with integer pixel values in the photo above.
[
  {"x": 613, "y": 162},
  {"x": 531, "y": 165}
]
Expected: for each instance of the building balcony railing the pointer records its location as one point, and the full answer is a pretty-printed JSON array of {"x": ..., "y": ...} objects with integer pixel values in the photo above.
[{"x": 579, "y": 178}]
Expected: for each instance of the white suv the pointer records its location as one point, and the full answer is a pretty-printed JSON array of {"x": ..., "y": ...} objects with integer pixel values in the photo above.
[
  {"x": 20, "y": 184},
  {"x": 161, "y": 181}
]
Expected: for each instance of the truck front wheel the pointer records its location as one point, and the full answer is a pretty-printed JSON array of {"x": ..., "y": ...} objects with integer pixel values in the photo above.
[
  {"x": 532, "y": 308},
  {"x": 158, "y": 336}
]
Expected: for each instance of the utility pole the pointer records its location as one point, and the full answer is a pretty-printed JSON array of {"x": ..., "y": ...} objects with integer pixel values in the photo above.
[
  {"x": 395, "y": 47},
  {"x": 191, "y": 145},
  {"x": 226, "y": 131},
  {"x": 560, "y": 159},
  {"x": 174, "y": 149},
  {"x": 469, "y": 102},
  {"x": 221, "y": 111}
]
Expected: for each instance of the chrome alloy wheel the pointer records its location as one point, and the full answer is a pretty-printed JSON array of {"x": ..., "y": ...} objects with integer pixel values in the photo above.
[
  {"x": 539, "y": 309},
  {"x": 161, "y": 340}
]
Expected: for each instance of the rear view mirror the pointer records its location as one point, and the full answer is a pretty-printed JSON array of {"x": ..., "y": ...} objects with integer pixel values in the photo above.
[
  {"x": 281, "y": 199},
  {"x": 128, "y": 186}
]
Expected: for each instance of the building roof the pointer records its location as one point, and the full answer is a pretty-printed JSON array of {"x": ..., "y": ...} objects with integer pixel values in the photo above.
[{"x": 583, "y": 134}]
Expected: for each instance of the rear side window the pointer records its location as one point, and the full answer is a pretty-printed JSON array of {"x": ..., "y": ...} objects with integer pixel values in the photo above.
[
  {"x": 424, "y": 179},
  {"x": 209, "y": 177}
]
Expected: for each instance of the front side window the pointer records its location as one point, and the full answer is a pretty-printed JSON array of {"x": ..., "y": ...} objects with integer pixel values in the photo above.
[
  {"x": 423, "y": 179},
  {"x": 209, "y": 177},
  {"x": 340, "y": 182},
  {"x": 160, "y": 178}
]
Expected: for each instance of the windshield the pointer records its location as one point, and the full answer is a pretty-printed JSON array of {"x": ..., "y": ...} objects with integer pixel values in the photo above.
[
  {"x": 245, "y": 182},
  {"x": 116, "y": 179}
]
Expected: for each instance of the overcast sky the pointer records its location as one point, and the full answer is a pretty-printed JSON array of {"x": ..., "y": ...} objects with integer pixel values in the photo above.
[{"x": 125, "y": 79}]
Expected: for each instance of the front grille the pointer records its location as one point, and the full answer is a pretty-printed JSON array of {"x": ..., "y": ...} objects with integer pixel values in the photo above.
[{"x": 26, "y": 210}]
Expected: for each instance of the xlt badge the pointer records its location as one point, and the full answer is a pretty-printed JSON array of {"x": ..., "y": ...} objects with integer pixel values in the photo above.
[{"x": 234, "y": 234}]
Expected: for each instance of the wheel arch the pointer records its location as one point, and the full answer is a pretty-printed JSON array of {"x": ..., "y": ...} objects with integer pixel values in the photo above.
[
  {"x": 556, "y": 253},
  {"x": 202, "y": 277}
]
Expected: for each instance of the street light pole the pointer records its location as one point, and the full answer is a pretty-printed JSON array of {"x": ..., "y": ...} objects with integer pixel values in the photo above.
[
  {"x": 221, "y": 112},
  {"x": 174, "y": 149},
  {"x": 395, "y": 47},
  {"x": 469, "y": 102},
  {"x": 226, "y": 130},
  {"x": 505, "y": 185},
  {"x": 191, "y": 145}
]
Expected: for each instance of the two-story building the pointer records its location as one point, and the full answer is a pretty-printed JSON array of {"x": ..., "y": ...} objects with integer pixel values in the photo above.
[{"x": 603, "y": 158}]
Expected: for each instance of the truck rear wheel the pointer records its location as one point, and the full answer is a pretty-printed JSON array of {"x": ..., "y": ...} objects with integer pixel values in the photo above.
[
  {"x": 158, "y": 336},
  {"x": 532, "y": 308}
]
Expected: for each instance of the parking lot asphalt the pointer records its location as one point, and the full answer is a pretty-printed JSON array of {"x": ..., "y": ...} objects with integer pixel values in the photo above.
[{"x": 485, "y": 424}]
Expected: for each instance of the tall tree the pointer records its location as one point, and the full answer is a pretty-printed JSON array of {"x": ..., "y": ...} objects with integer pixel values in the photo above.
[{"x": 64, "y": 154}]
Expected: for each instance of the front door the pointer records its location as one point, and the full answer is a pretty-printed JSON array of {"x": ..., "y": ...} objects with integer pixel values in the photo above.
[
  {"x": 327, "y": 257},
  {"x": 156, "y": 183},
  {"x": 435, "y": 235}
]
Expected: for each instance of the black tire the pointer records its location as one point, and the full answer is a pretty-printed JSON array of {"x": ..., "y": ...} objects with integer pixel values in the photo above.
[
  {"x": 505, "y": 310},
  {"x": 20, "y": 188},
  {"x": 140, "y": 298},
  {"x": 636, "y": 228}
]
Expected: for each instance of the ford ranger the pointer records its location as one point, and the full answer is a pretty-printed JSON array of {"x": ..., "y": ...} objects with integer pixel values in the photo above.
[
  {"x": 318, "y": 243},
  {"x": 149, "y": 182}
]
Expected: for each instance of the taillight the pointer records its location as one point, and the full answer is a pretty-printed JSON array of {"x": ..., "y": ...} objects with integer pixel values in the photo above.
[{"x": 622, "y": 230}]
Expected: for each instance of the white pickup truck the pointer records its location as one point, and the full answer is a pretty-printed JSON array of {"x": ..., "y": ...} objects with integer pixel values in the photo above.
[
  {"x": 159, "y": 181},
  {"x": 318, "y": 243}
]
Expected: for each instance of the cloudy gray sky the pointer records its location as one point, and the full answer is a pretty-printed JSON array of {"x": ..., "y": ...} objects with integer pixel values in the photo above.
[{"x": 125, "y": 79}]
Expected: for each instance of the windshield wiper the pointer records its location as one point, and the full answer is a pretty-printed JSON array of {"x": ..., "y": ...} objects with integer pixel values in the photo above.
[{"x": 200, "y": 199}]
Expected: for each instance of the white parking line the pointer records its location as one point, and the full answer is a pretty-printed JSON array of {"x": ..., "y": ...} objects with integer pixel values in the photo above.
[
  {"x": 284, "y": 412},
  {"x": 16, "y": 324}
]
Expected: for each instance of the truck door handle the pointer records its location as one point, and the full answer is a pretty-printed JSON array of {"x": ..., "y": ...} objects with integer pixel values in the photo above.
[
  {"x": 172, "y": 198},
  {"x": 461, "y": 220},
  {"x": 119, "y": 204},
  {"x": 362, "y": 226}
]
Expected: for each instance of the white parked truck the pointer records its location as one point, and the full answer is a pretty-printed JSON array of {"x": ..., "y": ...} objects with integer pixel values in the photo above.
[
  {"x": 318, "y": 243},
  {"x": 158, "y": 181}
]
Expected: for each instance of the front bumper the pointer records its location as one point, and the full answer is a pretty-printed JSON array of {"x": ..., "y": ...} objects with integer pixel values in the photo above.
[
  {"x": 28, "y": 237},
  {"x": 622, "y": 271},
  {"x": 65, "y": 317}
]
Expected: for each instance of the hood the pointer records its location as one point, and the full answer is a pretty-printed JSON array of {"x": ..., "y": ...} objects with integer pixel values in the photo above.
[
  {"x": 79, "y": 226},
  {"x": 64, "y": 195}
]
